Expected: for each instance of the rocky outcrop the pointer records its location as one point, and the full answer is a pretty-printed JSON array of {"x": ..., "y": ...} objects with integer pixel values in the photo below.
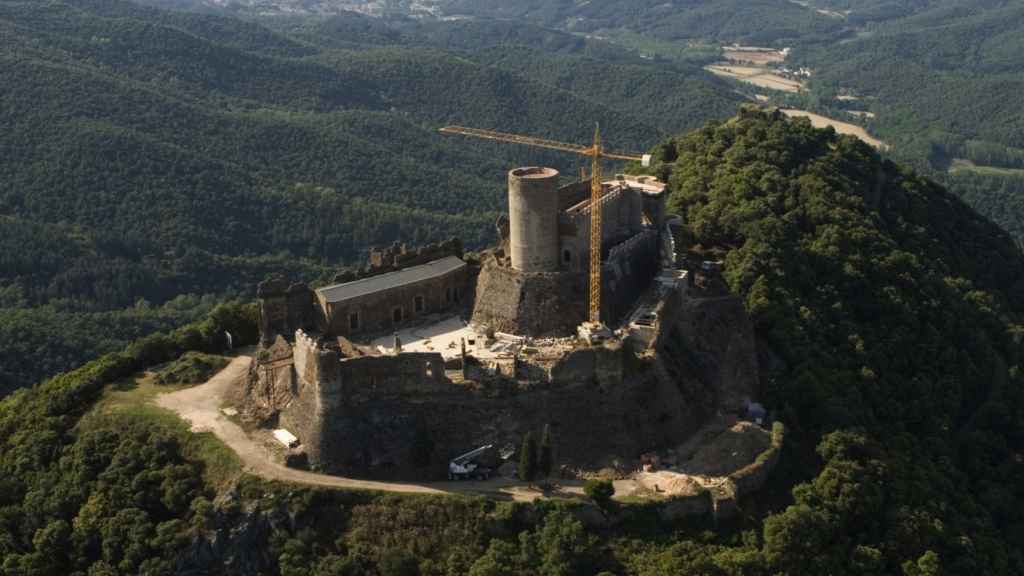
[
  {"x": 271, "y": 383},
  {"x": 711, "y": 350}
]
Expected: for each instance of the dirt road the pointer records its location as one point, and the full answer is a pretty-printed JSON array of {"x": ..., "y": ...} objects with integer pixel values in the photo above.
[{"x": 200, "y": 406}]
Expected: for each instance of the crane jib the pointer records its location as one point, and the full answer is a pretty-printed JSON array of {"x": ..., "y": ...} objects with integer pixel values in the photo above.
[{"x": 539, "y": 142}]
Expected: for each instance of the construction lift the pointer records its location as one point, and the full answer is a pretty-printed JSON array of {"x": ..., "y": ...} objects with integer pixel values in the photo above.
[
  {"x": 465, "y": 466},
  {"x": 594, "y": 329}
]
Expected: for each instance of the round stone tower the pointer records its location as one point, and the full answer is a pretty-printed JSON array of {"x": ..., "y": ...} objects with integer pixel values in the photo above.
[{"x": 533, "y": 219}]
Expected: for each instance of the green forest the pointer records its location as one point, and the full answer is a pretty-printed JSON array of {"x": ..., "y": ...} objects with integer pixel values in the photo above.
[
  {"x": 147, "y": 154},
  {"x": 891, "y": 312}
]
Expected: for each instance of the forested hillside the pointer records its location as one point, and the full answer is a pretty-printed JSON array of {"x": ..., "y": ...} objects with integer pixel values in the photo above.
[
  {"x": 146, "y": 154},
  {"x": 944, "y": 83},
  {"x": 890, "y": 320},
  {"x": 936, "y": 80}
]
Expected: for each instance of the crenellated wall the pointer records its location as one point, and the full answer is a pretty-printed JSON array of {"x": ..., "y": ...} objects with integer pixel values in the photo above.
[{"x": 398, "y": 256}]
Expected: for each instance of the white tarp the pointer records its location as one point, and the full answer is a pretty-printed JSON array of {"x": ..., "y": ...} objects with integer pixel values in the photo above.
[{"x": 285, "y": 437}]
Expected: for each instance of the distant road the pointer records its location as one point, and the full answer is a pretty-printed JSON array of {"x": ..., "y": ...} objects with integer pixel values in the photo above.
[{"x": 200, "y": 406}]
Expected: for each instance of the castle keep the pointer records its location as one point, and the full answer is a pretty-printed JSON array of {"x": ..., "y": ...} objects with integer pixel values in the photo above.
[
  {"x": 535, "y": 282},
  {"x": 423, "y": 354}
]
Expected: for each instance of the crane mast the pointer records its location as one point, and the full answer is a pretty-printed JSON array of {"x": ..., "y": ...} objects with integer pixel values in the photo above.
[
  {"x": 596, "y": 191},
  {"x": 596, "y": 153}
]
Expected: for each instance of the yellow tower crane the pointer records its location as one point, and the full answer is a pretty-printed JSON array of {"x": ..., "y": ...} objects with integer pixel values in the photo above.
[{"x": 596, "y": 153}]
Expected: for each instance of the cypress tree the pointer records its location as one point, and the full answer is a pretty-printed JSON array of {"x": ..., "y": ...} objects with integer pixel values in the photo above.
[
  {"x": 546, "y": 460},
  {"x": 528, "y": 458}
]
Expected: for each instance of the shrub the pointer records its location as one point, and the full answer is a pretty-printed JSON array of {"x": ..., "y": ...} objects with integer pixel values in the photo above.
[
  {"x": 397, "y": 562},
  {"x": 192, "y": 368},
  {"x": 600, "y": 491}
]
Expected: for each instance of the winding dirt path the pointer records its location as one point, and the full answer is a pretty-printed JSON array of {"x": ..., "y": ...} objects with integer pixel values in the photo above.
[{"x": 200, "y": 406}]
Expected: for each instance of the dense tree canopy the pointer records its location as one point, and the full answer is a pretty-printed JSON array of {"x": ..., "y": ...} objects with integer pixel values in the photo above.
[{"x": 890, "y": 314}]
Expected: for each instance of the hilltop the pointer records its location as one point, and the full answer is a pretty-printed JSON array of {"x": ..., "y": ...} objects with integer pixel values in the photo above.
[{"x": 889, "y": 320}]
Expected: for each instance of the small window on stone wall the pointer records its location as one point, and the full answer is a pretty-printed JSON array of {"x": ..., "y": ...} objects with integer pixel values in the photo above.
[
  {"x": 353, "y": 321},
  {"x": 418, "y": 303},
  {"x": 396, "y": 314},
  {"x": 566, "y": 256}
]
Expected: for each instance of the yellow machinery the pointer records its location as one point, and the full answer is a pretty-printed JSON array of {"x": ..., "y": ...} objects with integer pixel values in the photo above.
[{"x": 596, "y": 153}]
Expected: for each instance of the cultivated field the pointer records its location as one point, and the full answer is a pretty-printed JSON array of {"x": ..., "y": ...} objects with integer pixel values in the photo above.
[
  {"x": 760, "y": 77},
  {"x": 962, "y": 165},
  {"x": 754, "y": 56},
  {"x": 819, "y": 121}
]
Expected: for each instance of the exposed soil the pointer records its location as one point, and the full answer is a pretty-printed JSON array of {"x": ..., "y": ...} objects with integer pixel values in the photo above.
[
  {"x": 819, "y": 121},
  {"x": 761, "y": 77},
  {"x": 728, "y": 451}
]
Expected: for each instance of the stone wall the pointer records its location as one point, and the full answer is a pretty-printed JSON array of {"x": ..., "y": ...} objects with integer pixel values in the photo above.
[
  {"x": 534, "y": 304},
  {"x": 366, "y": 416},
  {"x": 572, "y": 194},
  {"x": 400, "y": 417},
  {"x": 752, "y": 478},
  {"x": 398, "y": 256},
  {"x": 284, "y": 308},
  {"x": 601, "y": 365},
  {"x": 621, "y": 217},
  {"x": 679, "y": 507},
  {"x": 324, "y": 411},
  {"x": 627, "y": 273}
]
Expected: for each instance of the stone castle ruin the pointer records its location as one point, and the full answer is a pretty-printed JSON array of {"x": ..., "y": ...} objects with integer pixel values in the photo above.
[
  {"x": 422, "y": 355},
  {"x": 536, "y": 281}
]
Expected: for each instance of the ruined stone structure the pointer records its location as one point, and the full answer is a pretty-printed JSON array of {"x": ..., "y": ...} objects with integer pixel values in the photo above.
[
  {"x": 399, "y": 256},
  {"x": 539, "y": 285},
  {"x": 362, "y": 411},
  {"x": 284, "y": 309},
  {"x": 364, "y": 405}
]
